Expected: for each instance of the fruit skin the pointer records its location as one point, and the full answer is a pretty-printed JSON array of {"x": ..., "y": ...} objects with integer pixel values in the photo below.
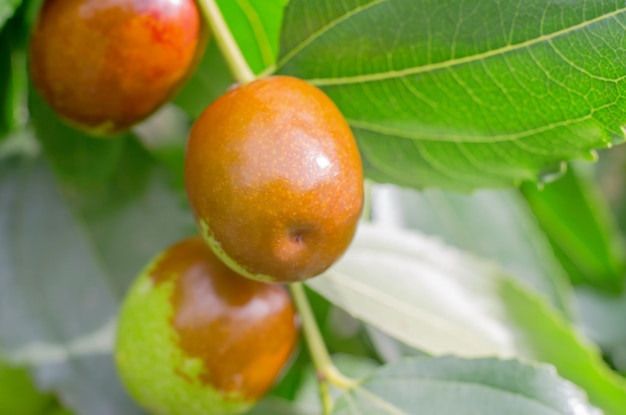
[
  {"x": 274, "y": 178},
  {"x": 104, "y": 65},
  {"x": 194, "y": 338}
]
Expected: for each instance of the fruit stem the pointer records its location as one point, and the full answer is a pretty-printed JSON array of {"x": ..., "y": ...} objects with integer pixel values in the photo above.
[
  {"x": 226, "y": 42},
  {"x": 368, "y": 186},
  {"x": 319, "y": 353},
  {"x": 326, "y": 397}
]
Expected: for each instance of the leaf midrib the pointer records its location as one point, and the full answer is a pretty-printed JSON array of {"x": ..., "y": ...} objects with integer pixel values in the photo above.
[
  {"x": 427, "y": 318},
  {"x": 391, "y": 74}
]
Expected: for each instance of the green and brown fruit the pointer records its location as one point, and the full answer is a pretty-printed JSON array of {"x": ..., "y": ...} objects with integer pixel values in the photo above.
[
  {"x": 194, "y": 338},
  {"x": 104, "y": 65},
  {"x": 274, "y": 178}
]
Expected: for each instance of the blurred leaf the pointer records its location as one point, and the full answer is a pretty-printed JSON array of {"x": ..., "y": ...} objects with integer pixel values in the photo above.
[
  {"x": 307, "y": 401},
  {"x": 610, "y": 174},
  {"x": 164, "y": 135},
  {"x": 255, "y": 25},
  {"x": 65, "y": 263},
  {"x": 492, "y": 224},
  {"x": 59, "y": 411},
  {"x": 463, "y": 95},
  {"x": 450, "y": 386},
  {"x": 53, "y": 291},
  {"x": 7, "y": 8},
  {"x": 578, "y": 221},
  {"x": 21, "y": 142},
  {"x": 80, "y": 160},
  {"x": 545, "y": 336},
  {"x": 18, "y": 395},
  {"x": 442, "y": 301},
  {"x": 354, "y": 367},
  {"x": 14, "y": 80},
  {"x": 276, "y": 406},
  {"x": 210, "y": 80},
  {"x": 602, "y": 317}
]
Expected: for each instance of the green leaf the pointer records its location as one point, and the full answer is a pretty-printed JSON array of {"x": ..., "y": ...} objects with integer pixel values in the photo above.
[
  {"x": 450, "y": 386},
  {"x": 18, "y": 395},
  {"x": 276, "y": 406},
  {"x": 547, "y": 337},
  {"x": 497, "y": 225},
  {"x": 308, "y": 398},
  {"x": 578, "y": 220},
  {"x": 7, "y": 8},
  {"x": 48, "y": 306},
  {"x": 465, "y": 94},
  {"x": 255, "y": 24},
  {"x": 443, "y": 301},
  {"x": 164, "y": 135},
  {"x": 210, "y": 80},
  {"x": 423, "y": 293},
  {"x": 14, "y": 79},
  {"x": 80, "y": 160}
]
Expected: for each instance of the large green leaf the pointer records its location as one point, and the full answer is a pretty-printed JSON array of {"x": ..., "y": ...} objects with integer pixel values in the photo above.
[
  {"x": 451, "y": 386},
  {"x": 461, "y": 94},
  {"x": 578, "y": 221},
  {"x": 443, "y": 301}
]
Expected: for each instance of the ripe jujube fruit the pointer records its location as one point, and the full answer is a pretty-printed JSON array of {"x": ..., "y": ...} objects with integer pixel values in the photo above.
[
  {"x": 274, "y": 178},
  {"x": 104, "y": 65},
  {"x": 194, "y": 338}
]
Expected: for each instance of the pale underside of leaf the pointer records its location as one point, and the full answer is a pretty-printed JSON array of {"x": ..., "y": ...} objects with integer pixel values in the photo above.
[
  {"x": 421, "y": 292},
  {"x": 448, "y": 385}
]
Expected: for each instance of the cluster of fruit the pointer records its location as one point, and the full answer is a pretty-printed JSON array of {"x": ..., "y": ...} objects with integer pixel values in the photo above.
[{"x": 273, "y": 177}]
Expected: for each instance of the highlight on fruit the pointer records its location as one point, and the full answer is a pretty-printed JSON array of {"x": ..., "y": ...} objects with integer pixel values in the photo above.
[
  {"x": 105, "y": 65},
  {"x": 195, "y": 338},
  {"x": 274, "y": 179}
]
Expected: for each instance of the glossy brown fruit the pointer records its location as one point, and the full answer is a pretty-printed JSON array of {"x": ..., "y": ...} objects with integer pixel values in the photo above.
[
  {"x": 104, "y": 65},
  {"x": 196, "y": 338},
  {"x": 274, "y": 178}
]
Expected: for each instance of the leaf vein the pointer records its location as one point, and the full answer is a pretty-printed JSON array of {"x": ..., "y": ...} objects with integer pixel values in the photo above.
[{"x": 391, "y": 74}]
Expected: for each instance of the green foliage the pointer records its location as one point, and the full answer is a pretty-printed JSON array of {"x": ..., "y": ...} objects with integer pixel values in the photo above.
[
  {"x": 403, "y": 284},
  {"x": 449, "y": 95},
  {"x": 464, "y": 95},
  {"x": 451, "y": 386},
  {"x": 13, "y": 67},
  {"x": 7, "y": 8},
  {"x": 581, "y": 229},
  {"x": 18, "y": 395}
]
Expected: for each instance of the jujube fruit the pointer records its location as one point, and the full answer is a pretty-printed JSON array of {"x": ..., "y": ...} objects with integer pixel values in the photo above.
[
  {"x": 274, "y": 178},
  {"x": 194, "y": 338},
  {"x": 104, "y": 65}
]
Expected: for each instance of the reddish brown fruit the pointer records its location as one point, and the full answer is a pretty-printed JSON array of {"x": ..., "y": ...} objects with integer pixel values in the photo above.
[
  {"x": 104, "y": 65},
  {"x": 274, "y": 178},
  {"x": 196, "y": 338}
]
